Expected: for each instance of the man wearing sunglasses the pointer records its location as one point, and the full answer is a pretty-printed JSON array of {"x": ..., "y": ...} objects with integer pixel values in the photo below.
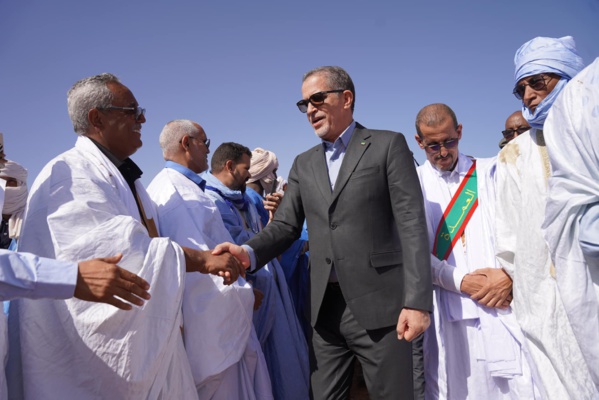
[
  {"x": 87, "y": 202},
  {"x": 469, "y": 284},
  {"x": 515, "y": 125},
  {"x": 543, "y": 68},
  {"x": 370, "y": 270}
]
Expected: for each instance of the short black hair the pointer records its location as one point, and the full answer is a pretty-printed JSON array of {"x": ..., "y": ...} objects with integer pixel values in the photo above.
[{"x": 225, "y": 152}]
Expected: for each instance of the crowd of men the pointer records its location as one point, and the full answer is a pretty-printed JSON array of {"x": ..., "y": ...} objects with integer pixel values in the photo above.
[{"x": 491, "y": 265}]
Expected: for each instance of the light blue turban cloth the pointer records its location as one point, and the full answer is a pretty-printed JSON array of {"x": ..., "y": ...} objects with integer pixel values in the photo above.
[{"x": 547, "y": 55}]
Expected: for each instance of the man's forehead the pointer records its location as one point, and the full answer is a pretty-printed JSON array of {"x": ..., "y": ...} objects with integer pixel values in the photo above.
[
  {"x": 315, "y": 83},
  {"x": 201, "y": 131},
  {"x": 517, "y": 120},
  {"x": 122, "y": 93}
]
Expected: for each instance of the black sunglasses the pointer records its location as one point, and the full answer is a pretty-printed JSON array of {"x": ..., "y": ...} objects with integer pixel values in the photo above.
[
  {"x": 137, "y": 111},
  {"x": 436, "y": 147},
  {"x": 316, "y": 99},
  {"x": 509, "y": 133},
  {"x": 536, "y": 82}
]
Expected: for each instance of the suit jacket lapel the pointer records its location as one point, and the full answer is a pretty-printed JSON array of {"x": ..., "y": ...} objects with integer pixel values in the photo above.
[
  {"x": 358, "y": 144},
  {"x": 321, "y": 172}
]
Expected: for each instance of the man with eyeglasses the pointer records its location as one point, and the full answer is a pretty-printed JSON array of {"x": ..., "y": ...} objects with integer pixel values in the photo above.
[
  {"x": 85, "y": 203},
  {"x": 370, "y": 276},
  {"x": 223, "y": 349},
  {"x": 515, "y": 125},
  {"x": 543, "y": 68},
  {"x": 472, "y": 294}
]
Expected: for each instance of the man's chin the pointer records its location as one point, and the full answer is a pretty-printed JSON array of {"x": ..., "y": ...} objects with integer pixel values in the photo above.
[{"x": 445, "y": 164}]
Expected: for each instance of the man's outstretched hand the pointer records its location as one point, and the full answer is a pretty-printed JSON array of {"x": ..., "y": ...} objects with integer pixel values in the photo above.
[{"x": 100, "y": 280}]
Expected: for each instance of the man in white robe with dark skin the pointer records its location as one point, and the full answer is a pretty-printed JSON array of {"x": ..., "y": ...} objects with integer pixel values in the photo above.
[
  {"x": 571, "y": 226},
  {"x": 224, "y": 352},
  {"x": 543, "y": 68},
  {"x": 87, "y": 202},
  {"x": 473, "y": 352}
]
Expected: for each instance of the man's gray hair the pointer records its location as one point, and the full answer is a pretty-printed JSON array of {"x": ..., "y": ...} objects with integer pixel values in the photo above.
[
  {"x": 173, "y": 132},
  {"x": 434, "y": 115},
  {"x": 87, "y": 94},
  {"x": 337, "y": 78}
]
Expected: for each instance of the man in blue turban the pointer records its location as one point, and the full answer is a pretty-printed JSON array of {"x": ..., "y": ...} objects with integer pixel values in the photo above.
[{"x": 543, "y": 68}]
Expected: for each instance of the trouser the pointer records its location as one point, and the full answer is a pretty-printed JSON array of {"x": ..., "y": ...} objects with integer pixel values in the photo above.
[{"x": 338, "y": 340}]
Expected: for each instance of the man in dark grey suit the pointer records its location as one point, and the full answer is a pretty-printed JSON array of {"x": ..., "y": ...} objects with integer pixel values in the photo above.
[{"x": 370, "y": 268}]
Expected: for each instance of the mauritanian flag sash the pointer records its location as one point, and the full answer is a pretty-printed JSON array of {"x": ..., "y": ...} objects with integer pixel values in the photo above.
[{"x": 456, "y": 215}]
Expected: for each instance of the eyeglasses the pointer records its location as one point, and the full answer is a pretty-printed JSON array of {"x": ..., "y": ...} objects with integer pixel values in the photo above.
[
  {"x": 206, "y": 142},
  {"x": 435, "y": 148},
  {"x": 509, "y": 133},
  {"x": 137, "y": 111},
  {"x": 316, "y": 99},
  {"x": 536, "y": 82}
]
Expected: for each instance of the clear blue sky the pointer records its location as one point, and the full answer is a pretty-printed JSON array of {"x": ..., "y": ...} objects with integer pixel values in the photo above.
[{"x": 236, "y": 66}]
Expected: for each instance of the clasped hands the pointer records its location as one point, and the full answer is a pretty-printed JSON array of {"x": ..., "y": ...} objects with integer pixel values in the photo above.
[{"x": 490, "y": 287}]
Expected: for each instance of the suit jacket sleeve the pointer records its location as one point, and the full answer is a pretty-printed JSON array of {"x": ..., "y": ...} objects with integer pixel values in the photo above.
[{"x": 408, "y": 211}]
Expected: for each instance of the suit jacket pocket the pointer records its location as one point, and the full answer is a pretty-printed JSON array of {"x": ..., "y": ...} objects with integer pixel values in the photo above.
[
  {"x": 364, "y": 172},
  {"x": 385, "y": 259}
]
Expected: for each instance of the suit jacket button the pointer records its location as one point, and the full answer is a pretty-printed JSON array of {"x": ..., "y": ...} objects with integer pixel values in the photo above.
[
  {"x": 333, "y": 226},
  {"x": 328, "y": 260}
]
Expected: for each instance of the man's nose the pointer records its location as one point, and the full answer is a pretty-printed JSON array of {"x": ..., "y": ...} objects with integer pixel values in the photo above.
[{"x": 529, "y": 94}]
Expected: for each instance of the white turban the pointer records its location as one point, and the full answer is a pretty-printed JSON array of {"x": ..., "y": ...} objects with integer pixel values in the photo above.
[
  {"x": 548, "y": 55},
  {"x": 262, "y": 168},
  {"x": 15, "y": 198}
]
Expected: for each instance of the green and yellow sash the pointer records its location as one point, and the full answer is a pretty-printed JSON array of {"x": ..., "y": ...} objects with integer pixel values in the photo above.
[{"x": 456, "y": 215}]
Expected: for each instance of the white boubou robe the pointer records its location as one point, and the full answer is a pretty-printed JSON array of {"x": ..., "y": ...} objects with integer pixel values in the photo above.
[
  {"x": 572, "y": 213},
  {"x": 223, "y": 349},
  {"x": 473, "y": 351},
  {"x": 80, "y": 207},
  {"x": 521, "y": 187}
]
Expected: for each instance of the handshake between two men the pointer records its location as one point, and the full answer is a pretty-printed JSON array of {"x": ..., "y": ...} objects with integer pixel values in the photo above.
[
  {"x": 102, "y": 280},
  {"x": 227, "y": 260}
]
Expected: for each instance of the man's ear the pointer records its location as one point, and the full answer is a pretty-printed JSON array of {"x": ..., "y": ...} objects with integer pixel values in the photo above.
[
  {"x": 419, "y": 141},
  {"x": 185, "y": 142},
  {"x": 348, "y": 98},
  {"x": 230, "y": 166},
  {"x": 94, "y": 117}
]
